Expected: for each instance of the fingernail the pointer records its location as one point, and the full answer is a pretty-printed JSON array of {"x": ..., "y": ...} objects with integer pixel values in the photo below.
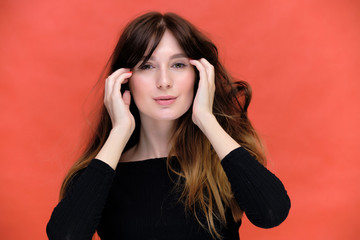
[{"x": 130, "y": 72}]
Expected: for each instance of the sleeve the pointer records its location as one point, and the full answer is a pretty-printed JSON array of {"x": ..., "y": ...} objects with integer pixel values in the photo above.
[
  {"x": 78, "y": 214},
  {"x": 259, "y": 193}
]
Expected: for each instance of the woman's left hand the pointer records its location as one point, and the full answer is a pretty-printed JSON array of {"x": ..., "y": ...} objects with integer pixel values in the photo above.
[
  {"x": 204, "y": 98},
  {"x": 203, "y": 116}
]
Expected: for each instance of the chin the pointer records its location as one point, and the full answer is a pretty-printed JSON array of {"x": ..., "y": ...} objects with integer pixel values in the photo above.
[
  {"x": 165, "y": 114},
  {"x": 169, "y": 115}
]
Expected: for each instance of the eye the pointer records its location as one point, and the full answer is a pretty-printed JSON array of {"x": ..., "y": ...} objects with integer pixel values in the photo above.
[
  {"x": 179, "y": 65},
  {"x": 146, "y": 66}
]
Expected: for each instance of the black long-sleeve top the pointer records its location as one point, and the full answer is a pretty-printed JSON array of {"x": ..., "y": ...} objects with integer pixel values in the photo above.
[{"x": 137, "y": 201}]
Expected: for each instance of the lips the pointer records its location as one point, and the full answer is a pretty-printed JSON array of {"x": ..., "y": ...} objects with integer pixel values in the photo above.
[{"x": 165, "y": 100}]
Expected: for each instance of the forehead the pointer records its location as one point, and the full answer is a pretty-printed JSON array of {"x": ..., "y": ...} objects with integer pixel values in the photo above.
[{"x": 168, "y": 45}]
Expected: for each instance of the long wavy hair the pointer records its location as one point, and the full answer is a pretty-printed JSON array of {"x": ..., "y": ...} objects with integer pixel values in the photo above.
[{"x": 201, "y": 180}]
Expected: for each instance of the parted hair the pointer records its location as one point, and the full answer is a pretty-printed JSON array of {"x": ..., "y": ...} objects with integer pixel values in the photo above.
[{"x": 202, "y": 183}]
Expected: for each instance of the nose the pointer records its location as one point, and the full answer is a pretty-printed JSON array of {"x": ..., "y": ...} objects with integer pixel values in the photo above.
[{"x": 164, "y": 79}]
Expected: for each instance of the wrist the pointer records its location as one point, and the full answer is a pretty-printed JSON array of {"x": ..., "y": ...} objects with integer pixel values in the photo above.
[
  {"x": 113, "y": 147},
  {"x": 120, "y": 132},
  {"x": 207, "y": 122},
  {"x": 222, "y": 142}
]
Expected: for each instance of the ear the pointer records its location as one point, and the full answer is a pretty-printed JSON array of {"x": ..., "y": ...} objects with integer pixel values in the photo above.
[{"x": 127, "y": 97}]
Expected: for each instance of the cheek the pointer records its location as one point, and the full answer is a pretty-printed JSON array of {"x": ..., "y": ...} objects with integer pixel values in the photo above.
[
  {"x": 136, "y": 87},
  {"x": 187, "y": 86},
  {"x": 190, "y": 83},
  {"x": 141, "y": 81},
  {"x": 138, "y": 83},
  {"x": 131, "y": 85}
]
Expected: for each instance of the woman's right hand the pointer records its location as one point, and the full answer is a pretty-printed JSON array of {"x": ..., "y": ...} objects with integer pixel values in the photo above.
[{"x": 118, "y": 104}]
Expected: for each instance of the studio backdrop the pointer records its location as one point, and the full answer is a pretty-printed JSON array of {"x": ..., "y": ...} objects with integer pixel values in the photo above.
[{"x": 301, "y": 58}]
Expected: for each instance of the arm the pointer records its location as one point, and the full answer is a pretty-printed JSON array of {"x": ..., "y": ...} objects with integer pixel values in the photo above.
[
  {"x": 79, "y": 213},
  {"x": 202, "y": 110},
  {"x": 259, "y": 192},
  {"x": 123, "y": 122}
]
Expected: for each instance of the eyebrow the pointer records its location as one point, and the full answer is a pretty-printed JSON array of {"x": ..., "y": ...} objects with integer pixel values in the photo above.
[{"x": 178, "y": 55}]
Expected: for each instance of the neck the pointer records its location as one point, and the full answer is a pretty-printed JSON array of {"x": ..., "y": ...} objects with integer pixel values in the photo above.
[{"x": 154, "y": 141}]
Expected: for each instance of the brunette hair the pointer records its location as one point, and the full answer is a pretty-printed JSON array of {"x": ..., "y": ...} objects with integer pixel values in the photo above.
[{"x": 201, "y": 179}]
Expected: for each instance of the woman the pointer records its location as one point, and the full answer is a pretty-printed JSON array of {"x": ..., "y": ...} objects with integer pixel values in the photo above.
[{"x": 174, "y": 155}]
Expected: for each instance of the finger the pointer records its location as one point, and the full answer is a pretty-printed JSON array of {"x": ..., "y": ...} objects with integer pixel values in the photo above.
[
  {"x": 209, "y": 68},
  {"x": 118, "y": 72},
  {"x": 120, "y": 80},
  {"x": 126, "y": 77},
  {"x": 109, "y": 82},
  {"x": 201, "y": 69}
]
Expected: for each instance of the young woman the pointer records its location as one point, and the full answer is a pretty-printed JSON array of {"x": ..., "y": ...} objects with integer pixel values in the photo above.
[{"x": 174, "y": 155}]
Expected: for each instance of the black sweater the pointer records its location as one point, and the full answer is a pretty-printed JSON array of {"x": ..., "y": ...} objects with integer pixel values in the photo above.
[{"x": 137, "y": 201}]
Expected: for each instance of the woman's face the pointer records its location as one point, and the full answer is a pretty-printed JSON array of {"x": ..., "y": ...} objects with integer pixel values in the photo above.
[{"x": 163, "y": 88}]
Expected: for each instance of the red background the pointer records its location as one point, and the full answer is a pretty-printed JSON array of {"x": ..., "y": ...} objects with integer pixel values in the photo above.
[{"x": 301, "y": 58}]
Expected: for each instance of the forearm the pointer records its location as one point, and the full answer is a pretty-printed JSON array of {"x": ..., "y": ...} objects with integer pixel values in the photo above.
[
  {"x": 76, "y": 216},
  {"x": 257, "y": 190},
  {"x": 221, "y": 141},
  {"x": 112, "y": 149}
]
